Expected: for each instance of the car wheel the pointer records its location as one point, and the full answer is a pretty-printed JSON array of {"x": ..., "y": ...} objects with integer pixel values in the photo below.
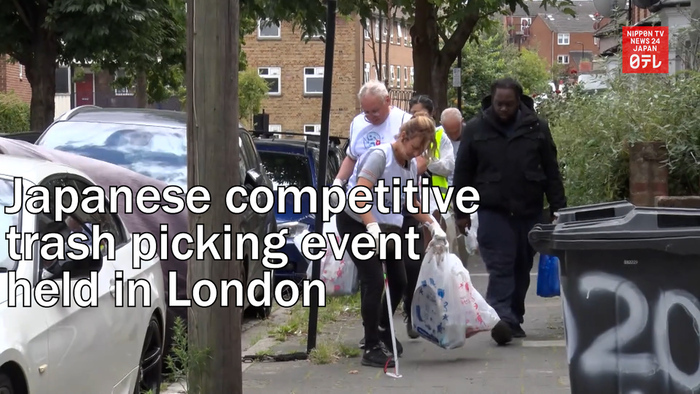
[
  {"x": 150, "y": 364},
  {"x": 256, "y": 312},
  {"x": 6, "y": 385}
]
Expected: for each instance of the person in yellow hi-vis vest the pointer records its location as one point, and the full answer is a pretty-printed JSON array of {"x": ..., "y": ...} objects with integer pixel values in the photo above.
[{"x": 438, "y": 168}]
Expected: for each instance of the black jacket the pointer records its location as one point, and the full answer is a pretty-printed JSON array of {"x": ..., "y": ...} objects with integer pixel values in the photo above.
[{"x": 512, "y": 173}]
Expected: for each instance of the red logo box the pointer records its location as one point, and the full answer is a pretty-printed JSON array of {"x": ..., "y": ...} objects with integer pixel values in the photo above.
[{"x": 645, "y": 50}]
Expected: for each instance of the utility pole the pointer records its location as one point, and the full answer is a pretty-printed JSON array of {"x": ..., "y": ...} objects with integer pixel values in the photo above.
[{"x": 213, "y": 154}]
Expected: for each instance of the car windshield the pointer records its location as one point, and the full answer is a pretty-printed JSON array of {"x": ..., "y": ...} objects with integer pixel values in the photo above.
[
  {"x": 6, "y": 221},
  {"x": 155, "y": 151},
  {"x": 286, "y": 169}
]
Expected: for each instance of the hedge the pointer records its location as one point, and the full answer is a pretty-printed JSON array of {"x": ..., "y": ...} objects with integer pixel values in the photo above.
[
  {"x": 593, "y": 131},
  {"x": 14, "y": 113}
]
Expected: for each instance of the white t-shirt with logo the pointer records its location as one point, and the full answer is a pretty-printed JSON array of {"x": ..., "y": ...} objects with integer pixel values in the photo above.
[{"x": 364, "y": 135}]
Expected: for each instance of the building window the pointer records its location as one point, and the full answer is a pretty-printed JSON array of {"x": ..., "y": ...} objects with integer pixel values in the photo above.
[
  {"x": 563, "y": 59},
  {"x": 376, "y": 30},
  {"x": 275, "y": 128},
  {"x": 21, "y": 72},
  {"x": 412, "y": 79},
  {"x": 391, "y": 32},
  {"x": 122, "y": 91},
  {"x": 399, "y": 33},
  {"x": 596, "y": 41},
  {"x": 524, "y": 24},
  {"x": 383, "y": 72},
  {"x": 367, "y": 67},
  {"x": 312, "y": 129},
  {"x": 63, "y": 80},
  {"x": 268, "y": 29},
  {"x": 385, "y": 30},
  {"x": 563, "y": 38},
  {"x": 398, "y": 76},
  {"x": 406, "y": 37},
  {"x": 273, "y": 77},
  {"x": 367, "y": 28},
  {"x": 405, "y": 77},
  {"x": 392, "y": 76},
  {"x": 313, "y": 80}
]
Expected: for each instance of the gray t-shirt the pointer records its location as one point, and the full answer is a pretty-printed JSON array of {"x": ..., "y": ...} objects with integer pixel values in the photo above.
[{"x": 371, "y": 167}]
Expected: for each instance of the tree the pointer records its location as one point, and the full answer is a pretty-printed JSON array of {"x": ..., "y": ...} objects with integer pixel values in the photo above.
[
  {"x": 489, "y": 56},
  {"x": 39, "y": 34},
  {"x": 440, "y": 28},
  {"x": 251, "y": 92}
]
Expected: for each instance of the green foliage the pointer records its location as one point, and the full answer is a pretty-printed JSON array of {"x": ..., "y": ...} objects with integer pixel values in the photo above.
[
  {"x": 592, "y": 132},
  {"x": 14, "y": 113},
  {"x": 489, "y": 56},
  {"x": 251, "y": 92},
  {"x": 184, "y": 360}
]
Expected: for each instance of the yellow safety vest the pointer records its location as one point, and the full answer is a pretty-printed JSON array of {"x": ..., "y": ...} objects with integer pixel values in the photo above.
[{"x": 437, "y": 180}]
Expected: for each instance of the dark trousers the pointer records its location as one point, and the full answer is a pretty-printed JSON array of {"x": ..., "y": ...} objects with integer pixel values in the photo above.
[
  {"x": 508, "y": 257},
  {"x": 373, "y": 306},
  {"x": 412, "y": 265}
]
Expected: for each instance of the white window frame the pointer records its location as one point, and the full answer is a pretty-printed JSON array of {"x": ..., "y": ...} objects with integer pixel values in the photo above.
[
  {"x": 375, "y": 24},
  {"x": 368, "y": 67},
  {"x": 412, "y": 77},
  {"x": 320, "y": 34},
  {"x": 383, "y": 72},
  {"x": 121, "y": 92},
  {"x": 405, "y": 77},
  {"x": 596, "y": 41},
  {"x": 272, "y": 73},
  {"x": 563, "y": 59},
  {"x": 367, "y": 29},
  {"x": 385, "y": 30},
  {"x": 277, "y": 128},
  {"x": 392, "y": 76},
  {"x": 21, "y": 72},
  {"x": 406, "y": 37},
  {"x": 524, "y": 24},
  {"x": 279, "y": 31},
  {"x": 317, "y": 72},
  {"x": 563, "y": 39},
  {"x": 399, "y": 33},
  {"x": 316, "y": 129}
]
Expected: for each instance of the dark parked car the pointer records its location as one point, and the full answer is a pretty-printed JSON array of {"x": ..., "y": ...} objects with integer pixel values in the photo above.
[
  {"x": 154, "y": 143},
  {"x": 295, "y": 162}
]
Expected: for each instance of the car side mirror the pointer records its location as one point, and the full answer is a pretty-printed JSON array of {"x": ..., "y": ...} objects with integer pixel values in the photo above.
[{"x": 253, "y": 178}]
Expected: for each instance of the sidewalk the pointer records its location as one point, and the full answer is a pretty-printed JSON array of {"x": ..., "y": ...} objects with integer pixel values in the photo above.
[{"x": 536, "y": 364}]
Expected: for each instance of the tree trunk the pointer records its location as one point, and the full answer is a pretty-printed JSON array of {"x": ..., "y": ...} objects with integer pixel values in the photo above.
[
  {"x": 141, "y": 90},
  {"x": 432, "y": 64},
  {"x": 212, "y": 147},
  {"x": 41, "y": 74}
]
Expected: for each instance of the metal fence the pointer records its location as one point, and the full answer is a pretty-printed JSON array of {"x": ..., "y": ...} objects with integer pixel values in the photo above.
[{"x": 401, "y": 98}]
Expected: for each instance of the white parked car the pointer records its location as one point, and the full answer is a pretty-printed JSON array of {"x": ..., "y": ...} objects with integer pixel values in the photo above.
[{"x": 72, "y": 349}]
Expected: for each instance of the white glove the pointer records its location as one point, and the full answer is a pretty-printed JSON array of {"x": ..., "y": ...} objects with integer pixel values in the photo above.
[
  {"x": 436, "y": 232},
  {"x": 334, "y": 197},
  {"x": 373, "y": 229}
]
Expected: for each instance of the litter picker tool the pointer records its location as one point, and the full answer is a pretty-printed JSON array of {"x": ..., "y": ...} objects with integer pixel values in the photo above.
[{"x": 396, "y": 373}]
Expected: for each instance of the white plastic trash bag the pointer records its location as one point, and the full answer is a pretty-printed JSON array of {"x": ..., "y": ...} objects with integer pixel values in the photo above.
[
  {"x": 471, "y": 241},
  {"x": 340, "y": 276},
  {"x": 446, "y": 308},
  {"x": 437, "y": 312}
]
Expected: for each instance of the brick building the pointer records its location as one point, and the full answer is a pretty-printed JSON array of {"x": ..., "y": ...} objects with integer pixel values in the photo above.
[
  {"x": 294, "y": 70},
  {"x": 557, "y": 37},
  {"x": 14, "y": 79}
]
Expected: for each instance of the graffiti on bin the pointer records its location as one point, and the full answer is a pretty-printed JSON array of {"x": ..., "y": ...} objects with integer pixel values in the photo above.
[{"x": 605, "y": 354}]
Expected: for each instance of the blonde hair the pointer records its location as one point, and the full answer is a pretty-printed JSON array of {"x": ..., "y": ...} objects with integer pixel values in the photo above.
[{"x": 422, "y": 126}]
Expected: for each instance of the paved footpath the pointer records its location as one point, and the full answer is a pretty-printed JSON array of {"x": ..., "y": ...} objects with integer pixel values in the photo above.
[{"x": 536, "y": 364}]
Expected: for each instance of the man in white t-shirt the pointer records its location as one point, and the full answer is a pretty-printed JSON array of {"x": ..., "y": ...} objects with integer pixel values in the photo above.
[{"x": 378, "y": 124}]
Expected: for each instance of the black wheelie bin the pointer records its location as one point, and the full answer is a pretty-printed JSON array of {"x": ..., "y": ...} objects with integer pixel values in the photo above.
[{"x": 630, "y": 287}]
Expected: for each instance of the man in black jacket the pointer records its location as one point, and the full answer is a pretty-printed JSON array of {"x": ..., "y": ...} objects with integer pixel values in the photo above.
[{"x": 507, "y": 153}]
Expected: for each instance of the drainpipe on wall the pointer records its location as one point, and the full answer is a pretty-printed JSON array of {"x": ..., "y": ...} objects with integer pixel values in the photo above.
[{"x": 71, "y": 86}]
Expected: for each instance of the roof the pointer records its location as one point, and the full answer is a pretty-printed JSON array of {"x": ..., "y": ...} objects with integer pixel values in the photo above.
[
  {"x": 33, "y": 169},
  {"x": 138, "y": 116},
  {"x": 558, "y": 21}
]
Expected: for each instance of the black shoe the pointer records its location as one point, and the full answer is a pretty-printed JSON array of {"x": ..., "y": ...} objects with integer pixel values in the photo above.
[
  {"x": 502, "y": 333},
  {"x": 362, "y": 343},
  {"x": 413, "y": 334},
  {"x": 377, "y": 357},
  {"x": 385, "y": 338},
  {"x": 517, "y": 331}
]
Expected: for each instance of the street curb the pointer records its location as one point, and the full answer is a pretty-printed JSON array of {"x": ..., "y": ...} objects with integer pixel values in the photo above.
[{"x": 264, "y": 344}]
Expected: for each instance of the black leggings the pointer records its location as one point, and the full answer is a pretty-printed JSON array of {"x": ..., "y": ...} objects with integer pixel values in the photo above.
[
  {"x": 373, "y": 304},
  {"x": 412, "y": 265}
]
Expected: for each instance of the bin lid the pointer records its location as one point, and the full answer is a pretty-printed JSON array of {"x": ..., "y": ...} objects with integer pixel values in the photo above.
[
  {"x": 603, "y": 210},
  {"x": 640, "y": 228}
]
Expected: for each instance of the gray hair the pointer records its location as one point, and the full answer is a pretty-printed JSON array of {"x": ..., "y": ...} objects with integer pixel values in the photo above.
[
  {"x": 450, "y": 113},
  {"x": 373, "y": 88}
]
